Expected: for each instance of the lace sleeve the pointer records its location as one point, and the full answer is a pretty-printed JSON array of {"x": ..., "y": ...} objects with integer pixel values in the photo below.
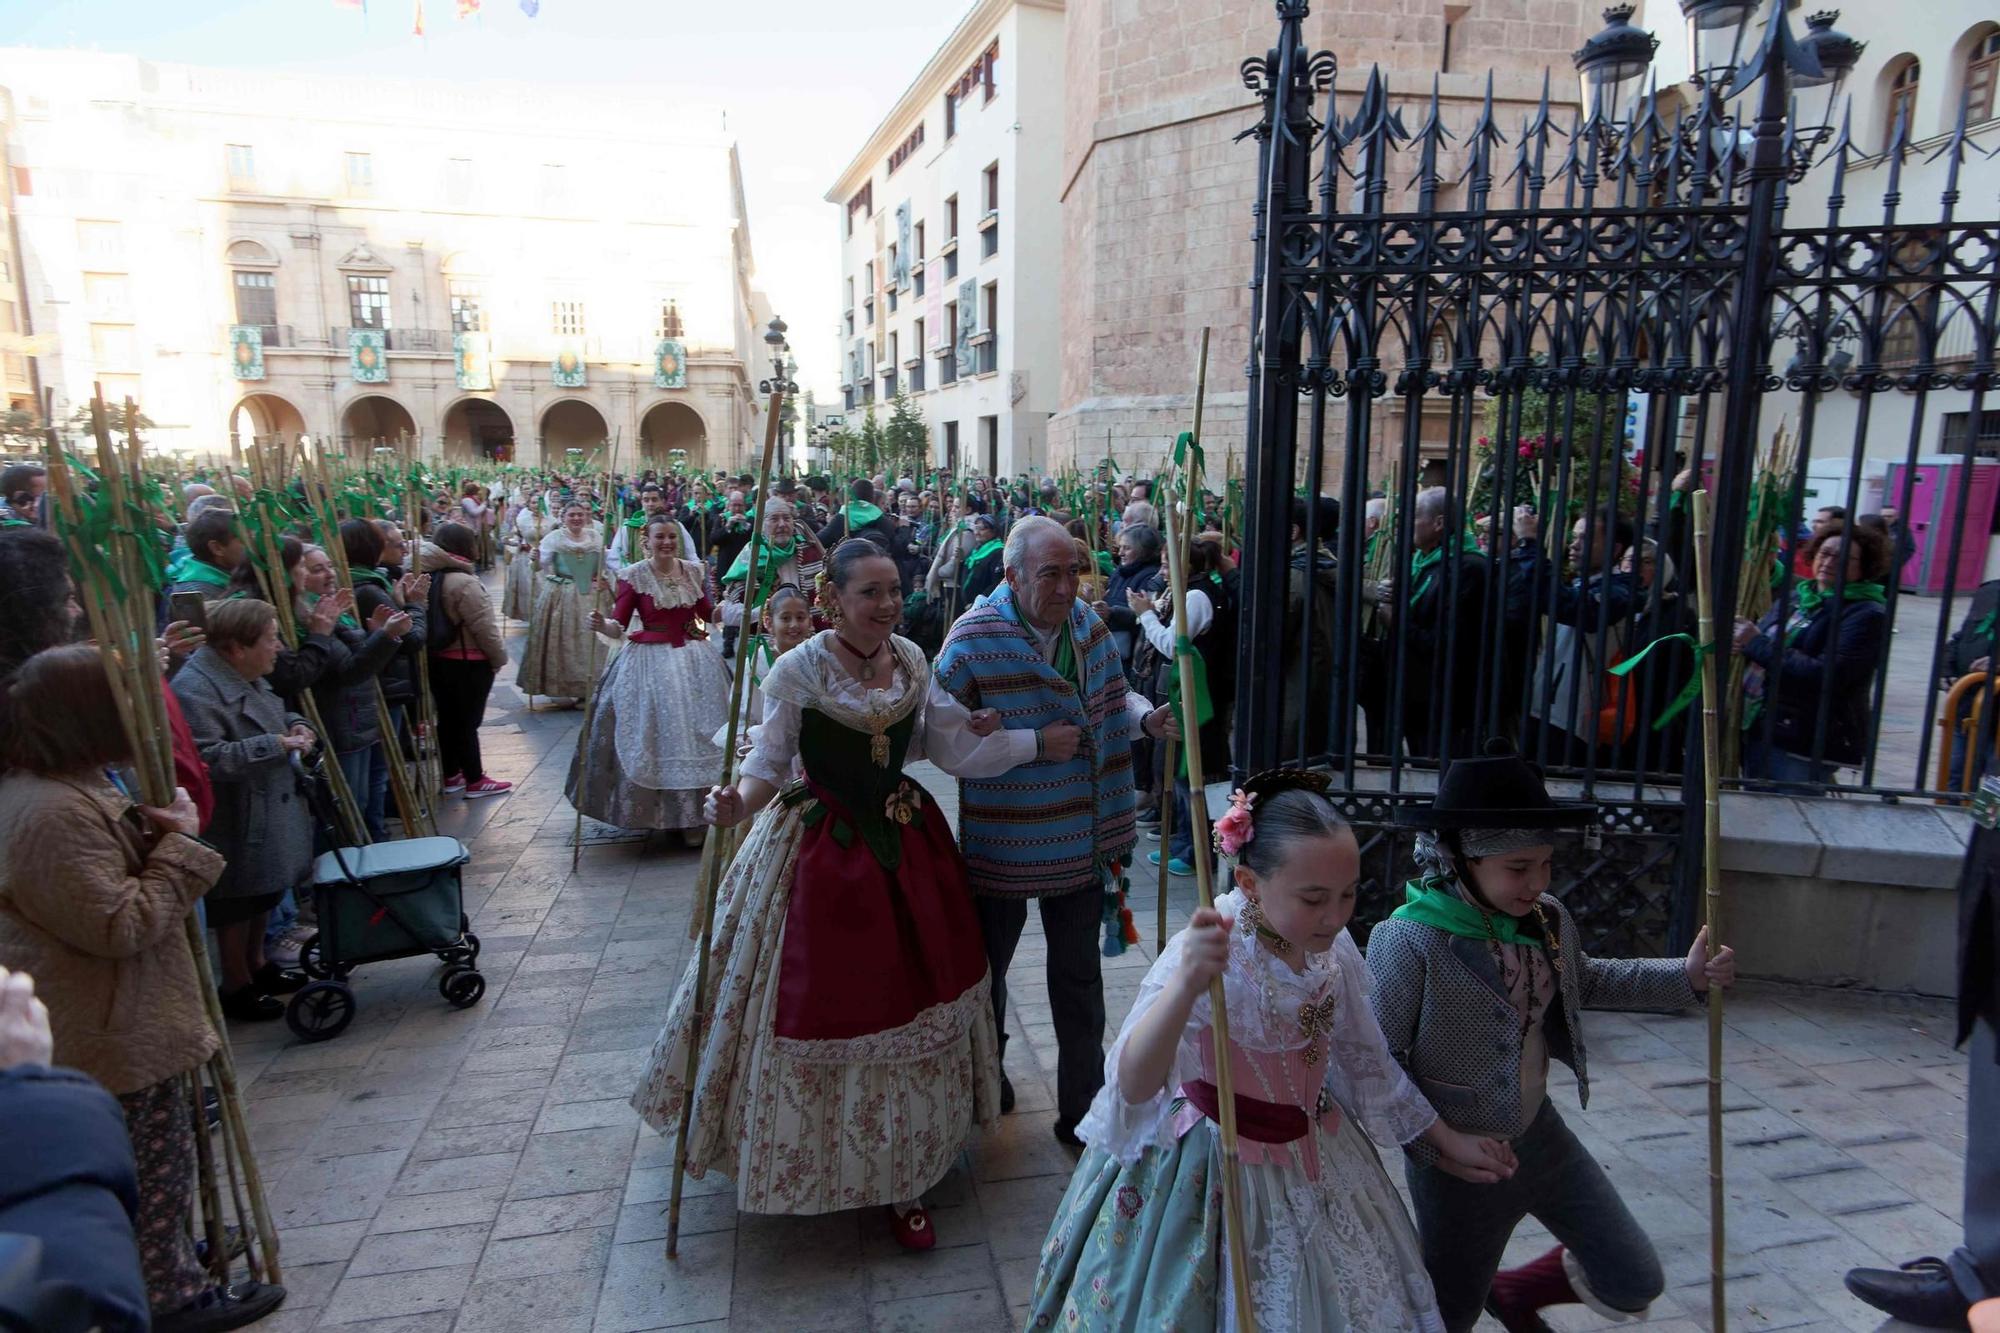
[
  {"x": 1126, "y": 1129},
  {"x": 774, "y": 742},
  {"x": 1362, "y": 1075},
  {"x": 946, "y": 739}
]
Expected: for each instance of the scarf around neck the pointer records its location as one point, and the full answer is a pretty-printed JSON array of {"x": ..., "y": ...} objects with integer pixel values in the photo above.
[
  {"x": 1431, "y": 902},
  {"x": 1810, "y": 597}
]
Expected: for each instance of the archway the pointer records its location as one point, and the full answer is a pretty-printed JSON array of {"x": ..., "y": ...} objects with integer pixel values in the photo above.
[
  {"x": 261, "y": 416},
  {"x": 573, "y": 424},
  {"x": 375, "y": 418},
  {"x": 478, "y": 428},
  {"x": 669, "y": 426}
]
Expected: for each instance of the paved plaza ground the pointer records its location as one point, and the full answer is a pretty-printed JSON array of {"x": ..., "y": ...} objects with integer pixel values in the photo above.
[{"x": 480, "y": 1170}]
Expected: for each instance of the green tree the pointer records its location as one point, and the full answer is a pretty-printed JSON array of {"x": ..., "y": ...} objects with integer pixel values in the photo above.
[
  {"x": 114, "y": 419},
  {"x": 871, "y": 442},
  {"x": 906, "y": 438},
  {"x": 22, "y": 429},
  {"x": 844, "y": 452},
  {"x": 1547, "y": 430}
]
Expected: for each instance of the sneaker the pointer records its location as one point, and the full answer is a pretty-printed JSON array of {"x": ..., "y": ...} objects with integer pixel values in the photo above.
[
  {"x": 1176, "y": 867},
  {"x": 454, "y": 784},
  {"x": 1152, "y": 832},
  {"x": 221, "y": 1308},
  {"x": 283, "y": 951},
  {"x": 487, "y": 787}
]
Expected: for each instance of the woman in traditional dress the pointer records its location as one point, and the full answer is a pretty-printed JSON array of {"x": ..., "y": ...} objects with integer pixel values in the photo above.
[
  {"x": 848, "y": 1046},
  {"x": 558, "y": 661},
  {"x": 1138, "y": 1242},
  {"x": 650, "y": 759},
  {"x": 524, "y": 539}
]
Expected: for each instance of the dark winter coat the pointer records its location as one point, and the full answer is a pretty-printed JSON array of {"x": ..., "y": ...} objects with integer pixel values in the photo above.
[
  {"x": 1795, "y": 677},
  {"x": 68, "y": 1180}
]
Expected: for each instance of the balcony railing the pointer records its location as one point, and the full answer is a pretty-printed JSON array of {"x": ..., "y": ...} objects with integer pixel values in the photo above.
[
  {"x": 985, "y": 353},
  {"x": 915, "y": 371},
  {"x": 436, "y": 342},
  {"x": 947, "y": 367},
  {"x": 275, "y": 335}
]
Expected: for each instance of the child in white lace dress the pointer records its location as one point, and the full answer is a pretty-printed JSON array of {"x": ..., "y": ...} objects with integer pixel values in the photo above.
[{"x": 1138, "y": 1241}]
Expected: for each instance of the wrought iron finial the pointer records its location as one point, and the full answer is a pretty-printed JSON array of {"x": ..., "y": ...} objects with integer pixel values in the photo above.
[{"x": 1778, "y": 54}]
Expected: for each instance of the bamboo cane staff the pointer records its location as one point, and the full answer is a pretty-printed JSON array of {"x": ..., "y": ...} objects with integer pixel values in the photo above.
[
  {"x": 345, "y": 799},
  {"x": 1237, "y": 1238},
  {"x": 1711, "y": 860},
  {"x": 744, "y": 633},
  {"x": 1189, "y": 480}
]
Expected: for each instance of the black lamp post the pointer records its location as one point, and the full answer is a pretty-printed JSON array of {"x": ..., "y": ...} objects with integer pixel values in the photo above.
[{"x": 1611, "y": 66}]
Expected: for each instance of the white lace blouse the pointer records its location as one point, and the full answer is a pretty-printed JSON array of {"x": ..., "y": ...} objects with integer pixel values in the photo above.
[
  {"x": 809, "y": 676},
  {"x": 1265, "y": 997}
]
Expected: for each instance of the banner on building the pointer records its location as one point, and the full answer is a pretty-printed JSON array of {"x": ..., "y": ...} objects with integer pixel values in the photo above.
[
  {"x": 968, "y": 324},
  {"x": 368, "y": 355},
  {"x": 246, "y": 351},
  {"x": 670, "y": 370},
  {"x": 566, "y": 371},
  {"x": 857, "y": 366},
  {"x": 902, "y": 275},
  {"x": 939, "y": 335},
  {"x": 474, "y": 354}
]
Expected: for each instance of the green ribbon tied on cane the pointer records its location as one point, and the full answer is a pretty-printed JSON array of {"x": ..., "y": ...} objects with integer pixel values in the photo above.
[
  {"x": 1204, "y": 703},
  {"x": 1689, "y": 692}
]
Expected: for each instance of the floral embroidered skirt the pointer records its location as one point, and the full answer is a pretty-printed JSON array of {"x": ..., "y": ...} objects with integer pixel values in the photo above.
[
  {"x": 650, "y": 760},
  {"x": 1140, "y": 1247},
  {"x": 559, "y": 661},
  {"x": 517, "y": 601},
  {"x": 814, "y": 1125}
]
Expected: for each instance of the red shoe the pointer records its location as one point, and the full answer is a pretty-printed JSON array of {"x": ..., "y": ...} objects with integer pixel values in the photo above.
[
  {"x": 454, "y": 785},
  {"x": 1518, "y": 1295},
  {"x": 487, "y": 787},
  {"x": 912, "y": 1230}
]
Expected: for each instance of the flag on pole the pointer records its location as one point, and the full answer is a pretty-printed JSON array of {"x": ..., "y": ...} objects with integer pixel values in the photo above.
[
  {"x": 361, "y": 5},
  {"x": 531, "y": 7},
  {"x": 468, "y": 9},
  {"x": 417, "y": 29}
]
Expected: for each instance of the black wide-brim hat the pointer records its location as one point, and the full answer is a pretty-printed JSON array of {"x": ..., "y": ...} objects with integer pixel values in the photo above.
[{"x": 1499, "y": 790}]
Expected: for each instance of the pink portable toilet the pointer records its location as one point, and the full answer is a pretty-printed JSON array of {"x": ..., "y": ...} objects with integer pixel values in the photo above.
[{"x": 1932, "y": 513}]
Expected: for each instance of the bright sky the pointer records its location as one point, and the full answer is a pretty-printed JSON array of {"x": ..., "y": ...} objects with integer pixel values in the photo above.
[{"x": 803, "y": 81}]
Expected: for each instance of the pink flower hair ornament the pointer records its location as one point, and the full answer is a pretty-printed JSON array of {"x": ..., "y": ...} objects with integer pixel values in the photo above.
[{"x": 1236, "y": 828}]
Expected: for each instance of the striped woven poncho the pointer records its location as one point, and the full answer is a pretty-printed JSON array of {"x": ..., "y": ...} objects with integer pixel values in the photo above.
[{"x": 1044, "y": 828}]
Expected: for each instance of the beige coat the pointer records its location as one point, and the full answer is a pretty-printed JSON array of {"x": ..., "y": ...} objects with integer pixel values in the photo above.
[
  {"x": 466, "y": 602},
  {"x": 98, "y": 917}
]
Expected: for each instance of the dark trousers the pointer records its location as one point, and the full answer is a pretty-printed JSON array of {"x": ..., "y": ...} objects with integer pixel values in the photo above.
[
  {"x": 1076, "y": 986},
  {"x": 157, "y": 1118},
  {"x": 1975, "y": 1266},
  {"x": 1465, "y": 1227},
  {"x": 460, "y": 688}
]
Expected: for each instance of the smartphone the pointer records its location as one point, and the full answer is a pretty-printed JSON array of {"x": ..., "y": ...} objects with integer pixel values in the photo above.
[{"x": 189, "y": 606}]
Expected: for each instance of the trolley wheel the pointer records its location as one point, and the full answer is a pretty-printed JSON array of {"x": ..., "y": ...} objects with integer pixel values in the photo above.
[
  {"x": 472, "y": 945},
  {"x": 462, "y": 988},
  {"x": 320, "y": 1011},
  {"x": 310, "y": 961}
]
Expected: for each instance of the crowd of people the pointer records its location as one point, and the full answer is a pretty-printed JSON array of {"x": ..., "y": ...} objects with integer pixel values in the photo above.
[{"x": 845, "y": 1035}]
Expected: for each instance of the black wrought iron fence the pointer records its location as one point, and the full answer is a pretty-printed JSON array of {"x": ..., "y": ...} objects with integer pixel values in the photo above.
[{"x": 1490, "y": 365}]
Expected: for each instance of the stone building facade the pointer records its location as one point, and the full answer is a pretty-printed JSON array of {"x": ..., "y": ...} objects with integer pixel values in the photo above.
[
  {"x": 1156, "y": 188},
  {"x": 949, "y": 233},
  {"x": 248, "y": 254}
]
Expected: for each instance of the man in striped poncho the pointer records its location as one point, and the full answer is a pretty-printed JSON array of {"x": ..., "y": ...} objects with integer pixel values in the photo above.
[{"x": 1050, "y": 829}]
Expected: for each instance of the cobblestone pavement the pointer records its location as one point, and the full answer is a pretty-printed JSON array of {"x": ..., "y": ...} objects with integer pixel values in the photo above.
[{"x": 479, "y": 1170}]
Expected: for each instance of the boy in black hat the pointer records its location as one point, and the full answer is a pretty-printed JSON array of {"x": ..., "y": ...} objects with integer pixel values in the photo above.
[{"x": 1479, "y": 979}]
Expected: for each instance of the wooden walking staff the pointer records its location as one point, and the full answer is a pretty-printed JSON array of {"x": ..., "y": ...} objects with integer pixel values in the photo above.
[
  {"x": 1189, "y": 481},
  {"x": 1236, "y": 1237},
  {"x": 1711, "y": 870},
  {"x": 714, "y": 861}
]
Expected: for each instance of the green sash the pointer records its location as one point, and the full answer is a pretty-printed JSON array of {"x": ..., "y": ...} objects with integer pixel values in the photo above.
[
  {"x": 1430, "y": 902},
  {"x": 192, "y": 569}
]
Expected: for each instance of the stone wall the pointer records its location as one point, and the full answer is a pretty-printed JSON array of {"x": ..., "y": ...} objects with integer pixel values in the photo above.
[{"x": 1157, "y": 191}]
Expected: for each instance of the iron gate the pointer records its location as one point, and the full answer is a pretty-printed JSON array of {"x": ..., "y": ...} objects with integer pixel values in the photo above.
[{"x": 1577, "y": 326}]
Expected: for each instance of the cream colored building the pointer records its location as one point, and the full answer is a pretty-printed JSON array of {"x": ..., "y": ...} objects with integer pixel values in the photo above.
[
  {"x": 1156, "y": 189},
  {"x": 950, "y": 237},
  {"x": 497, "y": 271}
]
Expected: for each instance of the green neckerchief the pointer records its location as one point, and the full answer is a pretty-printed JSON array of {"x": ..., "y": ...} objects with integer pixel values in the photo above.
[
  {"x": 1065, "y": 663},
  {"x": 770, "y": 559},
  {"x": 193, "y": 569},
  {"x": 860, "y": 514},
  {"x": 1809, "y": 600},
  {"x": 1431, "y": 902},
  {"x": 363, "y": 574},
  {"x": 972, "y": 563},
  {"x": 1424, "y": 564}
]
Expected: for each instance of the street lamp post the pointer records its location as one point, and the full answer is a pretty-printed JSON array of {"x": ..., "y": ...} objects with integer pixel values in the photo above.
[{"x": 783, "y": 367}]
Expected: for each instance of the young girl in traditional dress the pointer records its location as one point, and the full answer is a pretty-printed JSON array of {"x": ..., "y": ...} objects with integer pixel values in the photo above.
[
  {"x": 1480, "y": 978},
  {"x": 524, "y": 539},
  {"x": 786, "y": 621},
  {"x": 1138, "y": 1242},
  {"x": 649, "y": 759},
  {"x": 558, "y": 661},
  {"x": 848, "y": 1047}
]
